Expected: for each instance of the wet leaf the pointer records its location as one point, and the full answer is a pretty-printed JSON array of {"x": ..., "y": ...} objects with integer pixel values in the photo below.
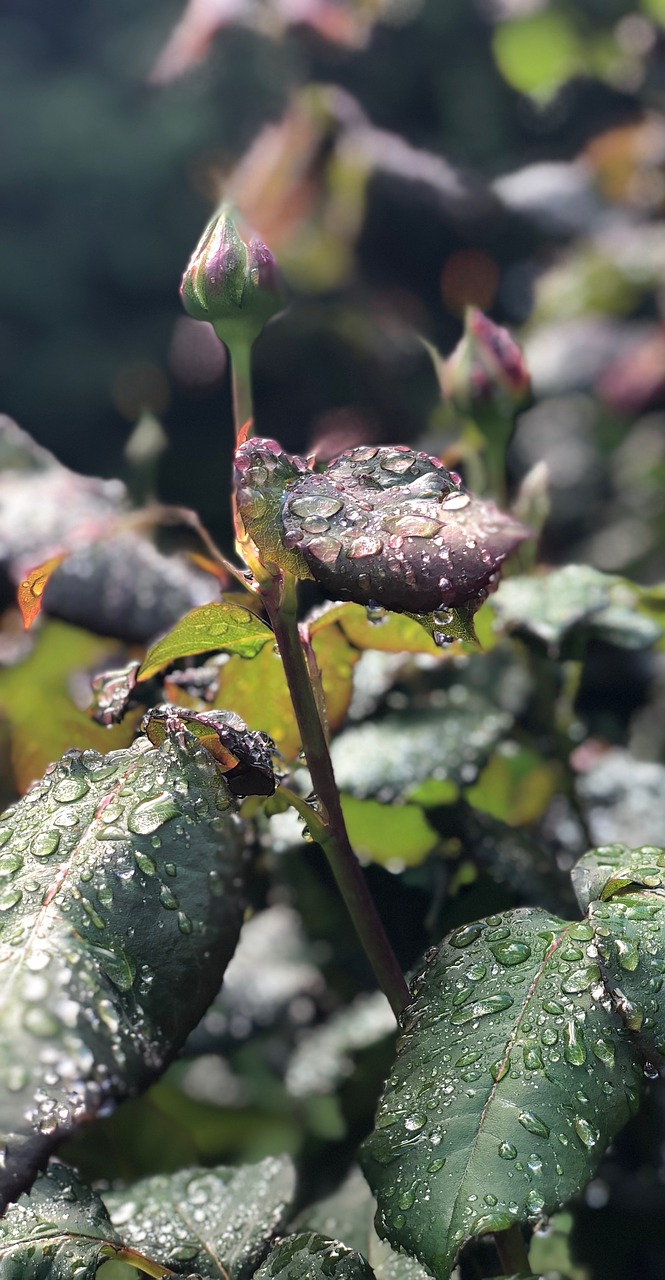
[
  {"x": 392, "y": 633},
  {"x": 552, "y": 605},
  {"x": 348, "y": 1215},
  {"x": 216, "y": 1222},
  {"x": 31, "y": 589},
  {"x": 224, "y": 627},
  {"x": 120, "y": 909},
  {"x": 602, "y": 873},
  {"x": 309, "y": 1256},
  {"x": 395, "y": 836},
  {"x": 113, "y": 693},
  {"x": 61, "y": 1231},
  {"x": 631, "y": 940},
  {"x": 399, "y": 752},
  {"x": 36, "y": 700},
  {"x": 512, "y": 1076}
]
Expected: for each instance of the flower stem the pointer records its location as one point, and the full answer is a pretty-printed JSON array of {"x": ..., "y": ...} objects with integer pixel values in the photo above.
[
  {"x": 512, "y": 1251},
  {"x": 280, "y": 601},
  {"x": 239, "y": 353}
]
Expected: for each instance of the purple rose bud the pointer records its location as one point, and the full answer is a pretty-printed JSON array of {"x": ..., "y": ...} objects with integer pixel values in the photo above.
[
  {"x": 230, "y": 281},
  {"x": 393, "y": 527},
  {"x": 487, "y": 367}
]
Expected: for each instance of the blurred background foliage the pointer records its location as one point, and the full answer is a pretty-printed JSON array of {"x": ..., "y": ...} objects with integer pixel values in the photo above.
[{"x": 404, "y": 158}]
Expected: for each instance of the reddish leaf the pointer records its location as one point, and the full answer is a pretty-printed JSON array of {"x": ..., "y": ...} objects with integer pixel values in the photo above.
[{"x": 32, "y": 588}]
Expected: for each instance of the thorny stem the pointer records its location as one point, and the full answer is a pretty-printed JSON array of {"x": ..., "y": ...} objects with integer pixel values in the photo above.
[
  {"x": 512, "y": 1251},
  {"x": 280, "y": 601}
]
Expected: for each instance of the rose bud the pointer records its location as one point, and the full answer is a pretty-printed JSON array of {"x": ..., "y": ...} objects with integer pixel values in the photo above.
[
  {"x": 230, "y": 281},
  {"x": 487, "y": 367}
]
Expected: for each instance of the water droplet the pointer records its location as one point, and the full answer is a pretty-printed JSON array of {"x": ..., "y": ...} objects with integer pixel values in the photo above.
[
  {"x": 70, "y": 789},
  {"x": 456, "y": 501},
  {"x": 586, "y": 1133},
  {"x": 533, "y": 1123},
  {"x": 467, "y": 934},
  {"x": 397, "y": 463},
  {"x": 412, "y": 526},
  {"x": 316, "y": 506},
  {"x": 533, "y": 1058},
  {"x": 145, "y": 863},
  {"x": 375, "y": 613},
  {"x": 184, "y": 923},
  {"x": 152, "y": 813},
  {"x": 580, "y": 980},
  {"x": 366, "y": 545},
  {"x": 324, "y": 549},
  {"x": 435, "y": 1165},
  {"x": 315, "y": 524},
  {"x": 574, "y": 1047},
  {"x": 10, "y": 898},
  {"x": 481, "y": 1009},
  {"x": 109, "y": 1015},
  {"x": 5, "y": 835},
  {"x": 119, "y": 967},
  {"x": 604, "y": 1051},
  {"x": 628, "y": 952},
  {"x": 415, "y": 1122},
  {"x": 167, "y": 898},
  {"x": 44, "y": 844},
  {"x": 500, "y": 1068},
  {"x": 553, "y": 1007},
  {"x": 442, "y": 639},
  {"x": 9, "y": 865},
  {"x": 486, "y": 1222},
  {"x": 510, "y": 953},
  {"x": 507, "y": 1151},
  {"x": 535, "y": 1203}
]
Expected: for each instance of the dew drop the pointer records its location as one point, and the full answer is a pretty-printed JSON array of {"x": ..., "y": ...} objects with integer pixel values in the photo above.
[
  {"x": 184, "y": 923},
  {"x": 456, "y": 501},
  {"x": 574, "y": 1050},
  {"x": 415, "y": 1122},
  {"x": 316, "y": 506},
  {"x": 481, "y": 1009},
  {"x": 535, "y": 1203},
  {"x": 70, "y": 789},
  {"x": 604, "y": 1051},
  {"x": 167, "y": 898},
  {"x": 586, "y": 1133},
  {"x": 510, "y": 953},
  {"x": 152, "y": 813},
  {"x": 507, "y": 1151},
  {"x": 533, "y": 1124},
  {"x": 44, "y": 844},
  {"x": 145, "y": 863},
  {"x": 467, "y": 934},
  {"x": 10, "y": 898},
  {"x": 628, "y": 953},
  {"x": 324, "y": 549},
  {"x": 375, "y": 613}
]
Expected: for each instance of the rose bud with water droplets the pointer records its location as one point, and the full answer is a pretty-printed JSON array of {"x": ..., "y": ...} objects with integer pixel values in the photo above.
[
  {"x": 231, "y": 281},
  {"x": 385, "y": 526}
]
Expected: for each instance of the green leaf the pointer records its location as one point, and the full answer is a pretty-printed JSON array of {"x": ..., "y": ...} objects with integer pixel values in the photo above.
[
  {"x": 309, "y": 1256},
  {"x": 61, "y": 1231},
  {"x": 550, "y": 1250},
  {"x": 601, "y": 873},
  {"x": 391, "y": 633},
  {"x": 215, "y": 1222},
  {"x": 631, "y": 943},
  {"x": 119, "y": 911},
  {"x": 348, "y": 1215},
  {"x": 395, "y": 836},
  {"x": 396, "y": 754},
  {"x": 516, "y": 786},
  {"x": 36, "y": 700},
  {"x": 512, "y": 1077},
  {"x": 552, "y": 605},
  {"x": 224, "y": 627},
  {"x": 537, "y": 53}
]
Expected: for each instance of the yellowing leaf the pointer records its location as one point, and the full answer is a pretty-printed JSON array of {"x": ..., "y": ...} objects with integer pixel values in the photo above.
[
  {"x": 226, "y": 627},
  {"x": 31, "y": 590}
]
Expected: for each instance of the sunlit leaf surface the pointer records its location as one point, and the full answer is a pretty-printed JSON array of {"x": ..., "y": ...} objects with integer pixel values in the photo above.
[
  {"x": 120, "y": 909},
  {"x": 226, "y": 627}
]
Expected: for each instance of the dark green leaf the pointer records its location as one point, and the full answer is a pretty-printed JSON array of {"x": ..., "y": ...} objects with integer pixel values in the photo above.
[
  {"x": 512, "y": 1077},
  {"x": 119, "y": 912},
  {"x": 631, "y": 943},
  {"x": 61, "y": 1231},
  {"x": 216, "y": 1222},
  {"x": 603, "y": 872},
  {"x": 226, "y": 627},
  {"x": 551, "y": 605},
  {"x": 309, "y": 1256},
  {"x": 396, "y": 754}
]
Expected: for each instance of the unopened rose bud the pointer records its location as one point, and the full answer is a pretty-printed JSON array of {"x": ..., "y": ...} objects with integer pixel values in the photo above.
[
  {"x": 487, "y": 367},
  {"x": 381, "y": 526},
  {"x": 230, "y": 281}
]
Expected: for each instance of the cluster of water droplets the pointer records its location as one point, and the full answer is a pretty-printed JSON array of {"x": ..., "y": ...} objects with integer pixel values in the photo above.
[
  {"x": 513, "y": 1073},
  {"x": 310, "y": 1256},
  {"x": 119, "y": 878},
  {"x": 391, "y": 528},
  {"x": 184, "y": 1219}
]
